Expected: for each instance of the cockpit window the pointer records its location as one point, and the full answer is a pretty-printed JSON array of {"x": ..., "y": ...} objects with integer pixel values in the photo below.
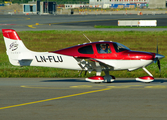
[
  {"x": 119, "y": 47},
  {"x": 103, "y": 48},
  {"x": 86, "y": 50}
]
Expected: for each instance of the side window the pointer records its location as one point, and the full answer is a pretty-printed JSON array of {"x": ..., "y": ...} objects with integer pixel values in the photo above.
[
  {"x": 86, "y": 50},
  {"x": 103, "y": 48}
]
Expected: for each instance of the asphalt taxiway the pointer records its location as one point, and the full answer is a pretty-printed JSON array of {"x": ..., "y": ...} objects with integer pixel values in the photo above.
[
  {"x": 76, "y": 22},
  {"x": 73, "y": 99}
]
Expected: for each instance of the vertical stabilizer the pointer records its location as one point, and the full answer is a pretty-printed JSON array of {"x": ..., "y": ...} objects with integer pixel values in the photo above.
[{"x": 15, "y": 48}]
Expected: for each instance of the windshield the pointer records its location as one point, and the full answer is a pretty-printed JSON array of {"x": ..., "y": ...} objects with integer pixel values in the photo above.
[{"x": 119, "y": 47}]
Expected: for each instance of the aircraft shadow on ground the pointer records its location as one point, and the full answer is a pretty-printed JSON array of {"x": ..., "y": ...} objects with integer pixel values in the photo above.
[{"x": 116, "y": 81}]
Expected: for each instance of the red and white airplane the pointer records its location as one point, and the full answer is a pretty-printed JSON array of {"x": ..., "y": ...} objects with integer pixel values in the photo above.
[{"x": 94, "y": 56}]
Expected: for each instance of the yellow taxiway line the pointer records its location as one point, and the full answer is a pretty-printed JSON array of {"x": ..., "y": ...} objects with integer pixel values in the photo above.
[
  {"x": 83, "y": 93},
  {"x": 56, "y": 98}
]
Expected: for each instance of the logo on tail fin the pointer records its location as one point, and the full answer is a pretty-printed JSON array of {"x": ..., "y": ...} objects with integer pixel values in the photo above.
[{"x": 13, "y": 46}]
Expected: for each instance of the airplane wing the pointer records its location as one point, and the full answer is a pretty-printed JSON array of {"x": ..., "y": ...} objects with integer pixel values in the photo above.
[{"x": 89, "y": 64}]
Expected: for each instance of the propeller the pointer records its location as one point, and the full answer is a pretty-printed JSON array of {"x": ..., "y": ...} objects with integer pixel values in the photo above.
[{"x": 158, "y": 57}]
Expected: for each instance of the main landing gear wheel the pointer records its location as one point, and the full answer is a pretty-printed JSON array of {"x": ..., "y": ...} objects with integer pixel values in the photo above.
[
  {"x": 100, "y": 79},
  {"x": 95, "y": 79}
]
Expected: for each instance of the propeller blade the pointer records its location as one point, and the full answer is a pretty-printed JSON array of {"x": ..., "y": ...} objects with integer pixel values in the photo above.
[
  {"x": 157, "y": 47},
  {"x": 159, "y": 66},
  {"x": 158, "y": 57}
]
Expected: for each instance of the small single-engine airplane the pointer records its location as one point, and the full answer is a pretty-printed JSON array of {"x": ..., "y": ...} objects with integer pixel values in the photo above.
[{"x": 94, "y": 56}]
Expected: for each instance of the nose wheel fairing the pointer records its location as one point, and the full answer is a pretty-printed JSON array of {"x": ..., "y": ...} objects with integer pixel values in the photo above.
[{"x": 146, "y": 79}]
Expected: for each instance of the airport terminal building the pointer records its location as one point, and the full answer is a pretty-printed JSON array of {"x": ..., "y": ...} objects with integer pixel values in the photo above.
[{"x": 129, "y": 3}]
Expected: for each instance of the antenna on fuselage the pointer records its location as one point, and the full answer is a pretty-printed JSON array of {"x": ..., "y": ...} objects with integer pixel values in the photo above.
[{"x": 87, "y": 38}]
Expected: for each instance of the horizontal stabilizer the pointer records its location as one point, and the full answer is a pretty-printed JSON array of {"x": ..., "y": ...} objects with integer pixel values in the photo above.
[{"x": 25, "y": 62}]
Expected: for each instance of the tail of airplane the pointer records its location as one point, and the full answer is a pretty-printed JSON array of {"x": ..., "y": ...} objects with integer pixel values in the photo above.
[
  {"x": 19, "y": 55},
  {"x": 15, "y": 48}
]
